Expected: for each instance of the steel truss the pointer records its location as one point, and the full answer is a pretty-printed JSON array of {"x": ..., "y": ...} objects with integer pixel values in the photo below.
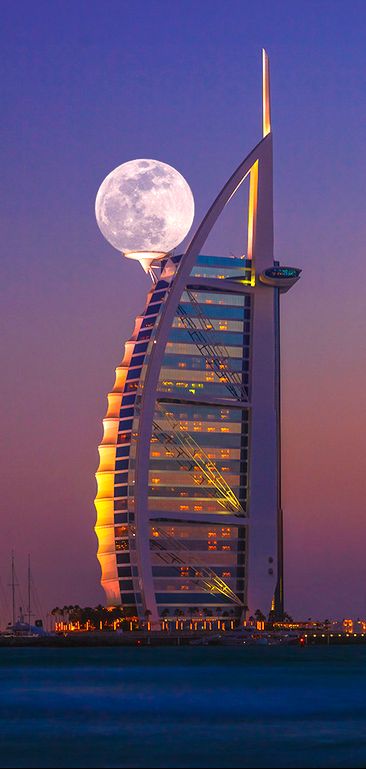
[
  {"x": 186, "y": 448},
  {"x": 216, "y": 354},
  {"x": 202, "y": 575}
]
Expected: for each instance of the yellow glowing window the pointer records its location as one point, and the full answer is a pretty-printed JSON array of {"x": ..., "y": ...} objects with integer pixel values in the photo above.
[
  {"x": 198, "y": 507},
  {"x": 211, "y": 429},
  {"x": 212, "y": 534},
  {"x": 156, "y": 454},
  {"x": 155, "y": 533},
  {"x": 182, "y": 365},
  {"x": 226, "y": 547},
  {"x": 224, "y": 429},
  {"x": 226, "y": 532},
  {"x": 212, "y": 547},
  {"x": 155, "y": 480},
  {"x": 183, "y": 507}
]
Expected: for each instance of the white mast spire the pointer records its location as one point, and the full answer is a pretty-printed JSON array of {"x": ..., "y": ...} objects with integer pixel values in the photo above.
[{"x": 266, "y": 94}]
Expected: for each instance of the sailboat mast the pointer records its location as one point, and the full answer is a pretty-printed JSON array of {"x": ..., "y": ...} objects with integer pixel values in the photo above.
[
  {"x": 29, "y": 592},
  {"x": 13, "y": 584}
]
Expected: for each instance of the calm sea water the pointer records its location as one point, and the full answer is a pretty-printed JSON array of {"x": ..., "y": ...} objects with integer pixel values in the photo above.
[{"x": 183, "y": 707}]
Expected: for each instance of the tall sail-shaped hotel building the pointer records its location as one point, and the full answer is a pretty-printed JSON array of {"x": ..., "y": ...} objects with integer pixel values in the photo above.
[{"x": 188, "y": 504}]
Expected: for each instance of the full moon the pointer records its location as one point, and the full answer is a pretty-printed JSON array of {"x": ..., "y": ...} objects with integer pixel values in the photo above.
[{"x": 144, "y": 206}]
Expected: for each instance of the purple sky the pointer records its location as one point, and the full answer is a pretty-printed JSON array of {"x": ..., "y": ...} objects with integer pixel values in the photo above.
[{"x": 89, "y": 85}]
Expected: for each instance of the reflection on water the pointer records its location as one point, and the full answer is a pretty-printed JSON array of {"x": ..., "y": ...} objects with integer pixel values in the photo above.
[{"x": 183, "y": 707}]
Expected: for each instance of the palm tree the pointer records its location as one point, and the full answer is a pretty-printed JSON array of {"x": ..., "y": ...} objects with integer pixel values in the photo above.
[
  {"x": 259, "y": 616},
  {"x": 56, "y": 613}
]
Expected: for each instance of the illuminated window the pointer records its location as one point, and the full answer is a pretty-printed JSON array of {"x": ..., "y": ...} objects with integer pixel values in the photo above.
[
  {"x": 226, "y": 574},
  {"x": 226, "y": 547}
]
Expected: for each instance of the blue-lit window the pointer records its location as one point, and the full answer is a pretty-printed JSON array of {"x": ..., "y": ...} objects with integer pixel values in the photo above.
[
  {"x": 120, "y": 504},
  {"x": 120, "y": 491},
  {"x": 120, "y": 518},
  {"x": 152, "y": 310},
  {"x": 120, "y": 478},
  {"x": 122, "y": 451},
  {"x": 140, "y": 348},
  {"x": 144, "y": 334},
  {"x": 125, "y": 424},
  {"x": 122, "y": 464},
  {"x": 148, "y": 323},
  {"x": 123, "y": 571},
  {"x": 137, "y": 360},
  {"x": 126, "y": 584},
  {"x": 134, "y": 374},
  {"x": 127, "y": 412},
  {"x": 127, "y": 399},
  {"x": 124, "y": 557},
  {"x": 157, "y": 296}
]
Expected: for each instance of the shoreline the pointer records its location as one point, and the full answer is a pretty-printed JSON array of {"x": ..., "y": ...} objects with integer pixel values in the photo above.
[{"x": 158, "y": 638}]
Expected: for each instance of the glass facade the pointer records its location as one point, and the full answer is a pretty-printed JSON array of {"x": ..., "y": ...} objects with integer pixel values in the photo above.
[{"x": 198, "y": 470}]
